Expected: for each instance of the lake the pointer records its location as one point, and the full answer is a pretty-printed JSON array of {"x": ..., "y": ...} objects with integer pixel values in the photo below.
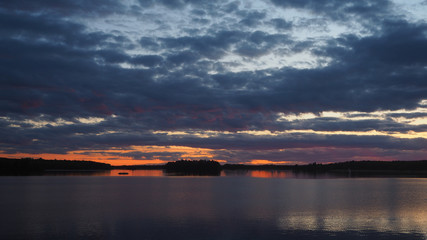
[{"x": 147, "y": 204}]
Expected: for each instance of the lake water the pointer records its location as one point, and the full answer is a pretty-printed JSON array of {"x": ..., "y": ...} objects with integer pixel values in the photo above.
[{"x": 146, "y": 204}]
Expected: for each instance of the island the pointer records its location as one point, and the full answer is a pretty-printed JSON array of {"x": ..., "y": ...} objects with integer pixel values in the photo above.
[{"x": 198, "y": 167}]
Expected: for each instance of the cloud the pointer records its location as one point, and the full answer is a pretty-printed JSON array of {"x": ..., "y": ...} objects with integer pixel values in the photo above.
[
  {"x": 66, "y": 7},
  {"x": 251, "y": 19},
  {"x": 281, "y": 24},
  {"x": 260, "y": 43},
  {"x": 340, "y": 10},
  {"x": 147, "y": 60},
  {"x": 236, "y": 71},
  {"x": 212, "y": 47},
  {"x": 401, "y": 43}
]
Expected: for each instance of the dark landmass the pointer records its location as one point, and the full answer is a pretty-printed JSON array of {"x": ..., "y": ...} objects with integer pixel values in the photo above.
[
  {"x": 351, "y": 165},
  {"x": 348, "y": 169},
  {"x": 199, "y": 168},
  {"x": 30, "y": 166},
  {"x": 366, "y": 166}
]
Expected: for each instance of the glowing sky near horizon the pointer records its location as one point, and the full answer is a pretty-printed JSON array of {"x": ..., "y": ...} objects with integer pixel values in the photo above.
[{"x": 257, "y": 82}]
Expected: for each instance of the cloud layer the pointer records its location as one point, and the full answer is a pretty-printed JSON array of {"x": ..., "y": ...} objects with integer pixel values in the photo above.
[{"x": 273, "y": 80}]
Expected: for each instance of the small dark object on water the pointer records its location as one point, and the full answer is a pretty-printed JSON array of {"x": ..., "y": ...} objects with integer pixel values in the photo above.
[{"x": 123, "y": 173}]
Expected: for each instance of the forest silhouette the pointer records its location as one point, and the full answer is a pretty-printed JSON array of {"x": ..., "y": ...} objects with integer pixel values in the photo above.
[{"x": 29, "y": 166}]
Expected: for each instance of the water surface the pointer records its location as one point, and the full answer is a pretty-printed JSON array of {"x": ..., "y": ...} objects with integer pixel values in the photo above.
[{"x": 247, "y": 206}]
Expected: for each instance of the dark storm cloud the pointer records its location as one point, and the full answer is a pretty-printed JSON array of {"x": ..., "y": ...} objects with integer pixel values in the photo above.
[
  {"x": 339, "y": 9},
  {"x": 149, "y": 43},
  {"x": 168, "y": 3},
  {"x": 90, "y": 136},
  {"x": 367, "y": 74},
  {"x": 231, "y": 7},
  {"x": 399, "y": 43},
  {"x": 47, "y": 30},
  {"x": 52, "y": 67},
  {"x": 299, "y": 140},
  {"x": 281, "y": 24},
  {"x": 337, "y": 124},
  {"x": 251, "y": 19},
  {"x": 216, "y": 45},
  {"x": 35, "y": 27},
  {"x": 408, "y": 115},
  {"x": 260, "y": 43},
  {"x": 210, "y": 46},
  {"x": 64, "y": 7},
  {"x": 73, "y": 137},
  {"x": 147, "y": 60},
  {"x": 184, "y": 57},
  {"x": 179, "y": 4},
  {"x": 380, "y": 72},
  {"x": 367, "y": 87}
]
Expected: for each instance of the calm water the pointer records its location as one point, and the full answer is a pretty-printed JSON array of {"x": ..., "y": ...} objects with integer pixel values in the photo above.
[{"x": 248, "y": 205}]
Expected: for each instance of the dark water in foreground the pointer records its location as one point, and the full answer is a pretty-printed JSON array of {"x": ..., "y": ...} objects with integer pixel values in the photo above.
[{"x": 247, "y": 206}]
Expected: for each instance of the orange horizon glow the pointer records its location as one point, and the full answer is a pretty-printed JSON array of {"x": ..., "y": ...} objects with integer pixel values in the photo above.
[
  {"x": 117, "y": 161},
  {"x": 102, "y": 156},
  {"x": 269, "y": 162},
  {"x": 159, "y": 155},
  {"x": 112, "y": 156}
]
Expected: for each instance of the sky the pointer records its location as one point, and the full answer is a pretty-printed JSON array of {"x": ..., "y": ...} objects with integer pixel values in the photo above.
[{"x": 254, "y": 82}]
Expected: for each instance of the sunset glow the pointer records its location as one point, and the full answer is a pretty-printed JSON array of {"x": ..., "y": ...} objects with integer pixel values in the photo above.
[{"x": 148, "y": 82}]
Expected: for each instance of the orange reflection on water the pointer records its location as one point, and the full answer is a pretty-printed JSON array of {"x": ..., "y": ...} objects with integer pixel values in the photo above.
[
  {"x": 268, "y": 174},
  {"x": 138, "y": 173}
]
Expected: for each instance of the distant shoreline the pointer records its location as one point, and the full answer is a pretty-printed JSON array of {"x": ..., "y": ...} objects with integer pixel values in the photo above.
[{"x": 10, "y": 166}]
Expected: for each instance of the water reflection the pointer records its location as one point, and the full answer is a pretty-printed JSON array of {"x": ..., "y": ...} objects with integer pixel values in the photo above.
[
  {"x": 163, "y": 173},
  {"x": 107, "y": 173},
  {"x": 249, "y": 207},
  {"x": 139, "y": 173},
  {"x": 223, "y": 173},
  {"x": 74, "y": 173},
  {"x": 362, "y": 221},
  {"x": 258, "y": 173}
]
